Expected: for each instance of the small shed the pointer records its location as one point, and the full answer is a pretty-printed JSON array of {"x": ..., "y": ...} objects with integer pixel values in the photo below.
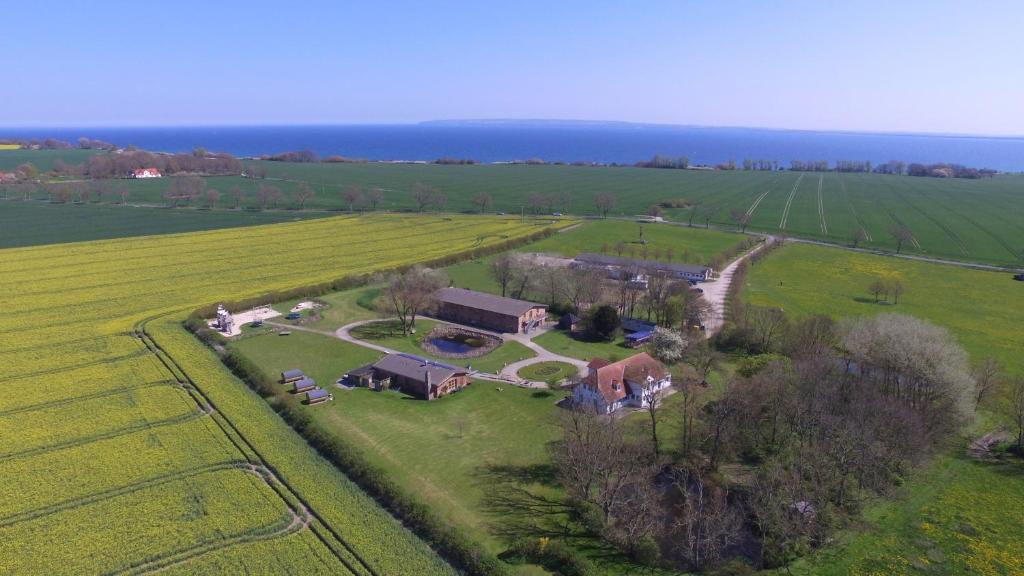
[
  {"x": 638, "y": 338},
  {"x": 292, "y": 375},
  {"x": 304, "y": 385},
  {"x": 569, "y": 322},
  {"x": 318, "y": 395}
]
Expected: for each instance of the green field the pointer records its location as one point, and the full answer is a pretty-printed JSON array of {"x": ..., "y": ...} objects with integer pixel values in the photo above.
[
  {"x": 34, "y": 223},
  {"x": 958, "y": 515},
  {"x": 984, "y": 310},
  {"x": 949, "y": 218}
]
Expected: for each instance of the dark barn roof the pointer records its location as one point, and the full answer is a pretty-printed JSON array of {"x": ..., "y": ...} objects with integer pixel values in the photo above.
[
  {"x": 305, "y": 384},
  {"x": 416, "y": 368},
  {"x": 484, "y": 301},
  {"x": 293, "y": 373},
  {"x": 316, "y": 394},
  {"x": 602, "y": 260}
]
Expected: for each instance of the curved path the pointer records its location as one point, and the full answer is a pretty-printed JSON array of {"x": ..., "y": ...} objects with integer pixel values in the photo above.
[
  {"x": 716, "y": 292},
  {"x": 509, "y": 374}
]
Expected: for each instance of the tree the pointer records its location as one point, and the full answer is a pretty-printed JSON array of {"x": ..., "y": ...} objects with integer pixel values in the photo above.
[
  {"x": 423, "y": 195},
  {"x": 440, "y": 199},
  {"x": 858, "y": 236},
  {"x": 620, "y": 247},
  {"x": 238, "y": 195},
  {"x": 605, "y": 202},
  {"x": 412, "y": 293},
  {"x": 986, "y": 376},
  {"x": 901, "y": 234},
  {"x": 503, "y": 271},
  {"x": 603, "y": 322},
  {"x": 184, "y": 189},
  {"x": 877, "y": 288},
  {"x": 565, "y": 201},
  {"x": 741, "y": 218},
  {"x": 375, "y": 196},
  {"x": 26, "y": 171},
  {"x": 668, "y": 345},
  {"x": 303, "y": 193},
  {"x": 896, "y": 289},
  {"x": 654, "y": 210},
  {"x": 212, "y": 197},
  {"x": 352, "y": 195},
  {"x": 482, "y": 200},
  {"x": 267, "y": 194},
  {"x": 708, "y": 212},
  {"x": 694, "y": 207},
  {"x": 706, "y": 521},
  {"x": 538, "y": 202},
  {"x": 122, "y": 191},
  {"x": 582, "y": 286},
  {"x": 1015, "y": 408},
  {"x": 703, "y": 357}
]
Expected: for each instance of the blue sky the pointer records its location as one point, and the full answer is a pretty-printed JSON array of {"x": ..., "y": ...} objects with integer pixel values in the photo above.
[{"x": 874, "y": 66}]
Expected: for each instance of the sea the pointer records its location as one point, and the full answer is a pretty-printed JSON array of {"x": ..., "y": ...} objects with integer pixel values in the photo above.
[{"x": 510, "y": 141}]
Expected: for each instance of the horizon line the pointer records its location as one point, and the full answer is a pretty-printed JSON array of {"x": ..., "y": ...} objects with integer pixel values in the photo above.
[{"x": 509, "y": 122}]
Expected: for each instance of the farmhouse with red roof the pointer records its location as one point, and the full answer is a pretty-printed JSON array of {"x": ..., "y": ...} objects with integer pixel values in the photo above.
[
  {"x": 146, "y": 173},
  {"x": 609, "y": 386}
]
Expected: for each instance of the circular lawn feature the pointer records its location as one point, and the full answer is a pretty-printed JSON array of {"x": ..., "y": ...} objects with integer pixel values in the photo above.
[{"x": 550, "y": 372}]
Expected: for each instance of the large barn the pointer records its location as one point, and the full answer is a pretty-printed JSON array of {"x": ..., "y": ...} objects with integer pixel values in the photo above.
[
  {"x": 615, "y": 266},
  {"x": 488, "y": 311}
]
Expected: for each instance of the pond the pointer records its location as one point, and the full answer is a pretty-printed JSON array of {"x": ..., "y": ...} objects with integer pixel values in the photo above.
[{"x": 457, "y": 343}]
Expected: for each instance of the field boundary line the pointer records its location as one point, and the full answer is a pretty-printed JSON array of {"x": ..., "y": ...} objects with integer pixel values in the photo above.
[{"x": 789, "y": 202}]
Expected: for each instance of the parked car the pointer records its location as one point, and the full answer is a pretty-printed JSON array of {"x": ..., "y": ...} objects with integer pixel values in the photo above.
[
  {"x": 1019, "y": 277},
  {"x": 293, "y": 316}
]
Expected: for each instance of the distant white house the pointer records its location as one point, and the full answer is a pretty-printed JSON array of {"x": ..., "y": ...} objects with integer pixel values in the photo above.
[
  {"x": 146, "y": 173},
  {"x": 609, "y": 386}
]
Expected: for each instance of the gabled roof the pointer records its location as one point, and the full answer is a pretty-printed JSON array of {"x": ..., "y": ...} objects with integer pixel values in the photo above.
[
  {"x": 634, "y": 325},
  {"x": 605, "y": 375},
  {"x": 316, "y": 394},
  {"x": 144, "y": 170},
  {"x": 484, "y": 301},
  {"x": 416, "y": 368},
  {"x": 602, "y": 260}
]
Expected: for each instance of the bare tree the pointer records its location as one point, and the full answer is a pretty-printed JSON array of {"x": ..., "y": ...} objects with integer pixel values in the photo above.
[
  {"x": 212, "y": 197},
  {"x": 708, "y": 212},
  {"x": 412, "y": 293},
  {"x": 482, "y": 201},
  {"x": 694, "y": 208},
  {"x": 901, "y": 234},
  {"x": 605, "y": 203},
  {"x": 1015, "y": 408},
  {"x": 439, "y": 200},
  {"x": 537, "y": 202},
  {"x": 858, "y": 236},
  {"x": 423, "y": 195},
  {"x": 122, "y": 191},
  {"x": 352, "y": 195},
  {"x": 582, "y": 287},
  {"x": 267, "y": 195},
  {"x": 238, "y": 195},
  {"x": 895, "y": 288},
  {"x": 706, "y": 521},
  {"x": 375, "y": 196},
  {"x": 741, "y": 218},
  {"x": 303, "y": 193},
  {"x": 704, "y": 358},
  {"x": 986, "y": 376},
  {"x": 620, "y": 247},
  {"x": 184, "y": 189},
  {"x": 877, "y": 288},
  {"x": 565, "y": 201},
  {"x": 503, "y": 271}
]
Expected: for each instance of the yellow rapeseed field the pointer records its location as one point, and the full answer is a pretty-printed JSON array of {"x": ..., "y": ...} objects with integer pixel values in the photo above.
[{"x": 127, "y": 448}]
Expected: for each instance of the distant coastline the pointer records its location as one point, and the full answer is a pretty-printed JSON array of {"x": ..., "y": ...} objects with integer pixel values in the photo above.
[{"x": 489, "y": 141}]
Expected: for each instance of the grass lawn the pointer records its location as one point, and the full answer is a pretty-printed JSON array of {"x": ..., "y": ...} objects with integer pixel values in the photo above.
[
  {"x": 550, "y": 372},
  {"x": 322, "y": 358},
  {"x": 387, "y": 333},
  {"x": 560, "y": 342},
  {"x": 984, "y": 310}
]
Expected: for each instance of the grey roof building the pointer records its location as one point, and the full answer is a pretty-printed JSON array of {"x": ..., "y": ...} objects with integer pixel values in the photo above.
[
  {"x": 488, "y": 310},
  {"x": 614, "y": 264}
]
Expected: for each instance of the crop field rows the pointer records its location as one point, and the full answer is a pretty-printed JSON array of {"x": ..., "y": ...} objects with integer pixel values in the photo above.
[{"x": 135, "y": 451}]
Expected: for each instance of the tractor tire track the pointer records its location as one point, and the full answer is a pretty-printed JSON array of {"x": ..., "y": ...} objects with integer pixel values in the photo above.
[
  {"x": 789, "y": 202},
  {"x": 821, "y": 207},
  {"x": 856, "y": 215},
  {"x": 115, "y": 492}
]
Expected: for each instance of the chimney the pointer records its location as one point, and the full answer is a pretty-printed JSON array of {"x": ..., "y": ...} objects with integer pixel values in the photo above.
[{"x": 426, "y": 378}]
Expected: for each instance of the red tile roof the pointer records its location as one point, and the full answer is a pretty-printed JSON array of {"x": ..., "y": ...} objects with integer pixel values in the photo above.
[
  {"x": 605, "y": 375},
  {"x": 141, "y": 171}
]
